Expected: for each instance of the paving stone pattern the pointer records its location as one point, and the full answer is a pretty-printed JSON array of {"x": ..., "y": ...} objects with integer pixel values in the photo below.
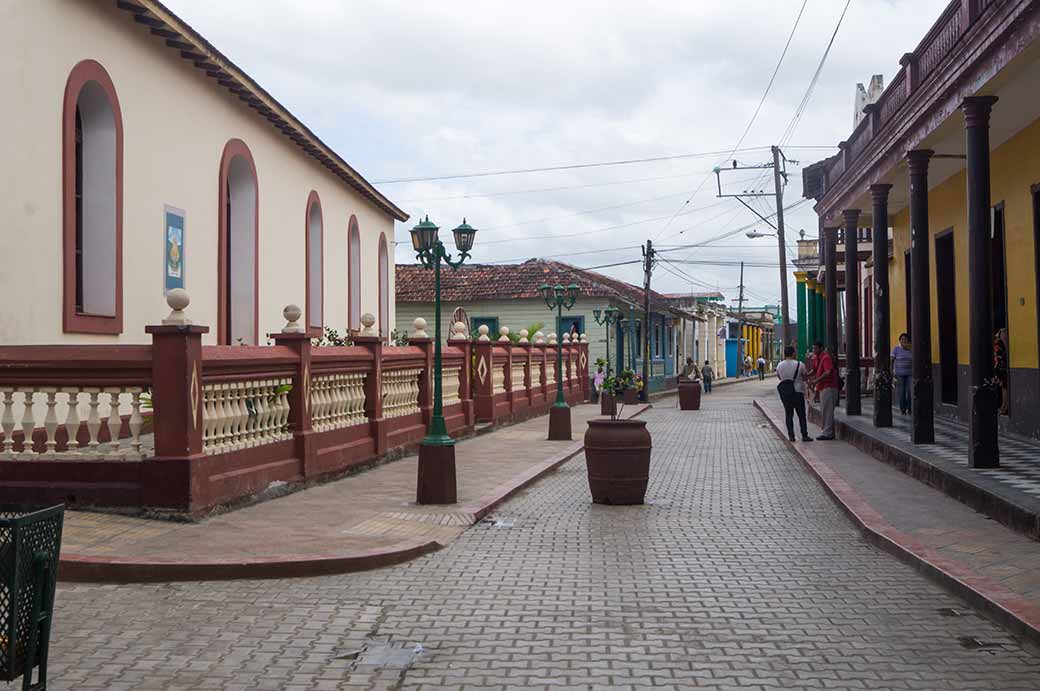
[{"x": 740, "y": 574}]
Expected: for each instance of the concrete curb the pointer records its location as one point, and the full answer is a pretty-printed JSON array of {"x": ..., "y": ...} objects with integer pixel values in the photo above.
[
  {"x": 90, "y": 569},
  {"x": 1007, "y": 608}
]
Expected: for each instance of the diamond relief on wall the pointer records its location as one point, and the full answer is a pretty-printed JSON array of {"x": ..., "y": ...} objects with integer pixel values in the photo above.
[
  {"x": 195, "y": 395},
  {"x": 482, "y": 369}
]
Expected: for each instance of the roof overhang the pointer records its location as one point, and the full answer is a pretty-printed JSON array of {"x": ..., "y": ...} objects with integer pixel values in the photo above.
[{"x": 179, "y": 36}]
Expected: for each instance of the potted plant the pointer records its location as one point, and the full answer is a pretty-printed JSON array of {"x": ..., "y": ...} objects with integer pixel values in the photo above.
[
  {"x": 617, "y": 455},
  {"x": 607, "y": 400},
  {"x": 629, "y": 386}
]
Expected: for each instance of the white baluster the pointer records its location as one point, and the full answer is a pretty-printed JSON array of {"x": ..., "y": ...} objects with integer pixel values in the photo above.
[
  {"x": 136, "y": 422},
  {"x": 207, "y": 417},
  {"x": 28, "y": 424},
  {"x": 93, "y": 420},
  {"x": 7, "y": 422},
  {"x": 50, "y": 421},
  {"x": 115, "y": 423},
  {"x": 72, "y": 421}
]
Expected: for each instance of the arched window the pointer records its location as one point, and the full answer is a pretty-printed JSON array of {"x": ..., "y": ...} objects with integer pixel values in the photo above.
[
  {"x": 92, "y": 191},
  {"x": 353, "y": 275},
  {"x": 238, "y": 247},
  {"x": 384, "y": 288},
  {"x": 314, "y": 272}
]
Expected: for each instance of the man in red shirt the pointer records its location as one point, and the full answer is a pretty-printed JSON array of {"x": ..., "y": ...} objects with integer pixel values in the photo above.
[{"x": 825, "y": 380}]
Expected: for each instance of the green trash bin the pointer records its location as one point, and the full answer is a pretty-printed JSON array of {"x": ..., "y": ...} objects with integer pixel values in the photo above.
[{"x": 30, "y": 540}]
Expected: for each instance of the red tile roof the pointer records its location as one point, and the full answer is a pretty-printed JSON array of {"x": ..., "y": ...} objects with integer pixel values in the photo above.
[{"x": 475, "y": 282}]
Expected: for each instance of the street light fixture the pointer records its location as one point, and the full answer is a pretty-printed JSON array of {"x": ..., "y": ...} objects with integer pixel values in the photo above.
[
  {"x": 559, "y": 298},
  {"x": 436, "y": 477},
  {"x": 607, "y": 318},
  {"x": 753, "y": 234}
]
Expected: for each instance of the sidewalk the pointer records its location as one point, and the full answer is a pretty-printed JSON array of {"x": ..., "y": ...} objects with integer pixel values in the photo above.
[
  {"x": 361, "y": 522},
  {"x": 993, "y": 567}
]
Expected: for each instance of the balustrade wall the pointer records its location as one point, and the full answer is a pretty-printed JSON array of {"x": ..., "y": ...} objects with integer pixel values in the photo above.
[{"x": 185, "y": 428}]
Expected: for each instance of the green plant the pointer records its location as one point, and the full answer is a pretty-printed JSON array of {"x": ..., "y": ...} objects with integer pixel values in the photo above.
[
  {"x": 399, "y": 338},
  {"x": 331, "y": 337}
]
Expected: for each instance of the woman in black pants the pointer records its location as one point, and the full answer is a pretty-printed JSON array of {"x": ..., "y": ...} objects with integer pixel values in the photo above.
[{"x": 791, "y": 374}]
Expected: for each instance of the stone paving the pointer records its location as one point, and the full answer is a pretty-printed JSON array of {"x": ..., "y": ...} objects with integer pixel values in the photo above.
[{"x": 739, "y": 574}]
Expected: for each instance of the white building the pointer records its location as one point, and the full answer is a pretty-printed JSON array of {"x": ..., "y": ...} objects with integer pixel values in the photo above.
[{"x": 137, "y": 158}]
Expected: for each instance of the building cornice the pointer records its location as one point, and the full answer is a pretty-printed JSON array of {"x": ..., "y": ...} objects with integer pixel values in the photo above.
[{"x": 191, "y": 46}]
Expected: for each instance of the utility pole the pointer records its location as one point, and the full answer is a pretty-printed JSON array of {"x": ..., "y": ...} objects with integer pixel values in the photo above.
[
  {"x": 784, "y": 313},
  {"x": 648, "y": 267},
  {"x": 740, "y": 324},
  {"x": 779, "y": 166}
]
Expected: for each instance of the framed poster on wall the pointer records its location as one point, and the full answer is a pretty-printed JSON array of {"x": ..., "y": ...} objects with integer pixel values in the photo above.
[{"x": 173, "y": 254}]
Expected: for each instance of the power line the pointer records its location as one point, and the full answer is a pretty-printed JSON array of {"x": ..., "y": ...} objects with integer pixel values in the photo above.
[
  {"x": 573, "y": 166},
  {"x": 754, "y": 116},
  {"x": 789, "y": 132}
]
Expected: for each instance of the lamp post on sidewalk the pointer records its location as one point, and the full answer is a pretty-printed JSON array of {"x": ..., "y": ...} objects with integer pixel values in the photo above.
[
  {"x": 609, "y": 318},
  {"x": 559, "y": 298},
  {"x": 436, "y": 477}
]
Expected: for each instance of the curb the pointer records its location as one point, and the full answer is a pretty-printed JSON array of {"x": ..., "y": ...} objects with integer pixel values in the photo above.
[
  {"x": 74, "y": 568},
  {"x": 1007, "y": 608}
]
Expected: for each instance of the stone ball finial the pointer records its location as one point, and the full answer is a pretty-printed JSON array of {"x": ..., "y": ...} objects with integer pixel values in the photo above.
[
  {"x": 584, "y": 338},
  {"x": 566, "y": 338},
  {"x": 178, "y": 300},
  {"x": 539, "y": 337},
  {"x": 503, "y": 334},
  {"x": 292, "y": 314},
  {"x": 458, "y": 332},
  {"x": 420, "y": 328},
  {"x": 523, "y": 336},
  {"x": 368, "y": 321},
  {"x": 482, "y": 333},
  {"x": 552, "y": 338}
]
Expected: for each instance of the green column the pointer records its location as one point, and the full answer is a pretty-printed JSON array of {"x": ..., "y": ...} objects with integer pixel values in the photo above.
[
  {"x": 810, "y": 308},
  {"x": 821, "y": 313},
  {"x": 803, "y": 314}
]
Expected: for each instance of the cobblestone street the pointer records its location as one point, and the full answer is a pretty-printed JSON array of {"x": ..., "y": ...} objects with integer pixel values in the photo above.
[{"x": 739, "y": 573}]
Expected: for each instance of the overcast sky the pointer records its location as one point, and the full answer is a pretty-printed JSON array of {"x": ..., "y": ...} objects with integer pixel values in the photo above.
[{"x": 405, "y": 89}]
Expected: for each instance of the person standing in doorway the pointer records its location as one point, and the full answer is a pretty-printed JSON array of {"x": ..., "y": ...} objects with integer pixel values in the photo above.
[
  {"x": 903, "y": 370},
  {"x": 761, "y": 368},
  {"x": 708, "y": 374},
  {"x": 791, "y": 388},
  {"x": 826, "y": 384}
]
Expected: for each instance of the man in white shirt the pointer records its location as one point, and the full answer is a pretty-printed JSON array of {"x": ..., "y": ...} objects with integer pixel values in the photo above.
[{"x": 791, "y": 374}]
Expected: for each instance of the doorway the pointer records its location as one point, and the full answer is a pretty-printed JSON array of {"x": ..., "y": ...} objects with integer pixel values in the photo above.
[
  {"x": 237, "y": 248},
  {"x": 945, "y": 270}
]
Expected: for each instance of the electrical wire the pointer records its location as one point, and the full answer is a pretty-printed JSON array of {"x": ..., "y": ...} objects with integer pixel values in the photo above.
[
  {"x": 789, "y": 132},
  {"x": 754, "y": 116},
  {"x": 573, "y": 166}
]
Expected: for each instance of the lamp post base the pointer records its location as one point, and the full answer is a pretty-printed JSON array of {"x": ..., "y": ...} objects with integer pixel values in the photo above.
[
  {"x": 560, "y": 423},
  {"x": 436, "y": 476}
]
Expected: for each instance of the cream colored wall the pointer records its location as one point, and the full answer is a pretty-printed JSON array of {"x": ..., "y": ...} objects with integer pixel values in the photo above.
[{"x": 176, "y": 122}]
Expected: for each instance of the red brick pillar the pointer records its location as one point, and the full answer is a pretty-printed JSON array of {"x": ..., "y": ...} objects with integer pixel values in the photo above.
[
  {"x": 177, "y": 415},
  {"x": 465, "y": 376},
  {"x": 483, "y": 390},
  {"x": 299, "y": 397},
  {"x": 524, "y": 353},
  {"x": 507, "y": 380},
  {"x": 374, "y": 391},
  {"x": 583, "y": 368}
]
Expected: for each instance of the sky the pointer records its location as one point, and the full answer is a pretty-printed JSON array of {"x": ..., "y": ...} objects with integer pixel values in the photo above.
[{"x": 404, "y": 90}]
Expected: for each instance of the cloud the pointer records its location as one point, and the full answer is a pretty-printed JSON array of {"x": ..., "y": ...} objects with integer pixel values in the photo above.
[{"x": 404, "y": 89}]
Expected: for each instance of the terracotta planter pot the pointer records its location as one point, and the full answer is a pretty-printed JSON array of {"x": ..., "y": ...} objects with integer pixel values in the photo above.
[
  {"x": 630, "y": 397},
  {"x": 617, "y": 457},
  {"x": 607, "y": 404},
  {"x": 689, "y": 395}
]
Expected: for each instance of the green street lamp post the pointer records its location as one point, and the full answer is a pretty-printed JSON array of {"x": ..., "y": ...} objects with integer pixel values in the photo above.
[
  {"x": 607, "y": 318},
  {"x": 559, "y": 298},
  {"x": 436, "y": 478}
]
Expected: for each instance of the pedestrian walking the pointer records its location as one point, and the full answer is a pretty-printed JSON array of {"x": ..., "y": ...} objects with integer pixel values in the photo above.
[
  {"x": 708, "y": 375},
  {"x": 791, "y": 388},
  {"x": 597, "y": 381},
  {"x": 761, "y": 368},
  {"x": 903, "y": 370},
  {"x": 826, "y": 384}
]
